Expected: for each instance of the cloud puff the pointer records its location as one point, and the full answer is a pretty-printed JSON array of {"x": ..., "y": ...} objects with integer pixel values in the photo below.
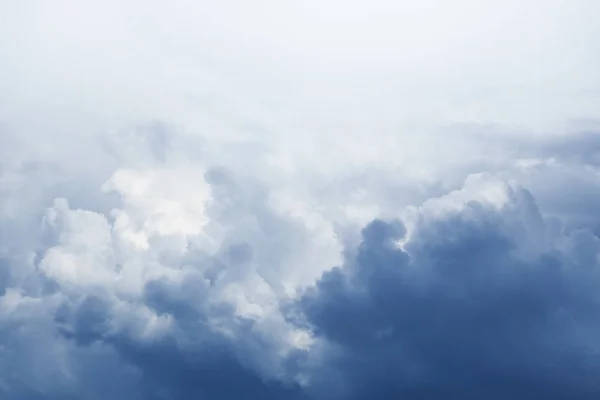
[
  {"x": 482, "y": 298},
  {"x": 176, "y": 290}
]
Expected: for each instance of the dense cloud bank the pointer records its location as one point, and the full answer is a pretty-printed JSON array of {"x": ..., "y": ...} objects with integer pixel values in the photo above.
[{"x": 201, "y": 284}]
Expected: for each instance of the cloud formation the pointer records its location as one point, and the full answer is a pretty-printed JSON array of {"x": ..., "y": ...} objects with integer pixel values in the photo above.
[
  {"x": 311, "y": 200},
  {"x": 473, "y": 293},
  {"x": 484, "y": 299}
]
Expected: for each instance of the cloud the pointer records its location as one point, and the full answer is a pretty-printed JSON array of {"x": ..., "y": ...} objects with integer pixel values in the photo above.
[
  {"x": 299, "y": 200},
  {"x": 473, "y": 293},
  {"x": 484, "y": 299},
  {"x": 175, "y": 290}
]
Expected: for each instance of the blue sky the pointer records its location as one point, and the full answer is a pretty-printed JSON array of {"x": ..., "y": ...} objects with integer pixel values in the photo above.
[{"x": 299, "y": 200}]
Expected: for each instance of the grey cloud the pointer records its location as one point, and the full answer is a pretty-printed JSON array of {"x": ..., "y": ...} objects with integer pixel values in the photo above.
[
  {"x": 216, "y": 251},
  {"x": 579, "y": 148},
  {"x": 480, "y": 302},
  {"x": 459, "y": 314},
  {"x": 193, "y": 359},
  {"x": 194, "y": 362}
]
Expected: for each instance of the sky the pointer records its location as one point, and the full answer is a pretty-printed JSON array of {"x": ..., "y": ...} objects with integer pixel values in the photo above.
[{"x": 316, "y": 200}]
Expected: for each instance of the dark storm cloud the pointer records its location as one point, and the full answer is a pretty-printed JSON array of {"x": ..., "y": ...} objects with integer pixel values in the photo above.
[{"x": 459, "y": 315}]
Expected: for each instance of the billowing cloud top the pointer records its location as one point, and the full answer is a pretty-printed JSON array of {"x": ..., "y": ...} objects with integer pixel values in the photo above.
[{"x": 314, "y": 200}]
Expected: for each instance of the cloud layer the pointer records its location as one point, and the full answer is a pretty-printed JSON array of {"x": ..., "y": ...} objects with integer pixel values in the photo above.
[{"x": 309, "y": 200}]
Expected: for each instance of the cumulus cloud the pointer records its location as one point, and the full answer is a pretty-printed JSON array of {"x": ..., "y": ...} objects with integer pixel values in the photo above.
[
  {"x": 484, "y": 299},
  {"x": 309, "y": 200}
]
